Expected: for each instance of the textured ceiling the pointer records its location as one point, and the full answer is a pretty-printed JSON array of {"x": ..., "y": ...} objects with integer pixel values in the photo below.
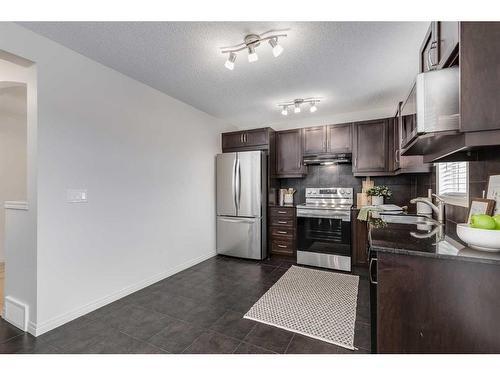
[{"x": 361, "y": 69}]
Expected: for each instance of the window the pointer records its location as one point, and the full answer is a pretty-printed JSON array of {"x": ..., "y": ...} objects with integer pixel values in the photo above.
[{"x": 453, "y": 182}]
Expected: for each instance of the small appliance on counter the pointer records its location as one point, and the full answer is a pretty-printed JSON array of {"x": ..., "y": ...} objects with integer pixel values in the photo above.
[
  {"x": 324, "y": 228},
  {"x": 286, "y": 197}
]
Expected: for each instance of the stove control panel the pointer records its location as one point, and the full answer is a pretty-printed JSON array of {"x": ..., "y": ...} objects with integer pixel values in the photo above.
[{"x": 346, "y": 193}]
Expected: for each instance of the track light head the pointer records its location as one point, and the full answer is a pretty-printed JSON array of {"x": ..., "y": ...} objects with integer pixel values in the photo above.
[
  {"x": 297, "y": 107},
  {"x": 252, "y": 55},
  {"x": 230, "y": 61},
  {"x": 251, "y": 42},
  {"x": 297, "y": 103},
  {"x": 277, "y": 49}
]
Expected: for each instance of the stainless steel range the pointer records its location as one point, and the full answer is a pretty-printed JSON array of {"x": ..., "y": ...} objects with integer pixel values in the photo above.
[{"x": 324, "y": 228}]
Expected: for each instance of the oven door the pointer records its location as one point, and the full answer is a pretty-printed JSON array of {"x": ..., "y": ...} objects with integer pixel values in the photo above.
[
  {"x": 324, "y": 235},
  {"x": 324, "y": 241}
]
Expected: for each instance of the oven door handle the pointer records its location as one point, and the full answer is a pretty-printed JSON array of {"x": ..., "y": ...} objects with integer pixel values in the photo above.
[{"x": 313, "y": 216}]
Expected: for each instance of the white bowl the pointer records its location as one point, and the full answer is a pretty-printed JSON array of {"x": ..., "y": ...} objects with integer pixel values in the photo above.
[{"x": 479, "y": 239}]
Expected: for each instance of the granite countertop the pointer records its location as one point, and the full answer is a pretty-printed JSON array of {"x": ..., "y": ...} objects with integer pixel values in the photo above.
[{"x": 397, "y": 239}]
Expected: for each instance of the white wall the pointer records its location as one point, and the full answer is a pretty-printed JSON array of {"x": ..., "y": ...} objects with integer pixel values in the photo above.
[
  {"x": 147, "y": 161},
  {"x": 13, "y": 129}
]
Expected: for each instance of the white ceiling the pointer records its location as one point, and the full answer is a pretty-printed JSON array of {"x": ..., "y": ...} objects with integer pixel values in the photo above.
[{"x": 361, "y": 69}]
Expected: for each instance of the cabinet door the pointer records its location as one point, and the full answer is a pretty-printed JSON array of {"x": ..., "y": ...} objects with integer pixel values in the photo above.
[
  {"x": 289, "y": 155},
  {"x": 256, "y": 137},
  {"x": 420, "y": 309},
  {"x": 479, "y": 76},
  {"x": 370, "y": 146},
  {"x": 359, "y": 241},
  {"x": 396, "y": 139},
  {"x": 448, "y": 41},
  {"x": 339, "y": 138},
  {"x": 315, "y": 140},
  {"x": 232, "y": 140},
  {"x": 429, "y": 51}
]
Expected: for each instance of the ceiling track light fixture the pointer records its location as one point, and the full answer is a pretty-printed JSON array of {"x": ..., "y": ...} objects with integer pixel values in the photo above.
[
  {"x": 251, "y": 42},
  {"x": 296, "y": 103}
]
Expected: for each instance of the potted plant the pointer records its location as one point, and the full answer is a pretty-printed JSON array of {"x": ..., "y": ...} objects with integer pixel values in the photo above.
[{"x": 378, "y": 193}]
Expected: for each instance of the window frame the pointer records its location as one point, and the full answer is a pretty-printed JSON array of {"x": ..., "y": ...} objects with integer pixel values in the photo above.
[{"x": 454, "y": 200}]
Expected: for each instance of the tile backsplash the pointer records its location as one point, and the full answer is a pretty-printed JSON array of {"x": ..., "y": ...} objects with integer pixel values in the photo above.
[{"x": 404, "y": 187}]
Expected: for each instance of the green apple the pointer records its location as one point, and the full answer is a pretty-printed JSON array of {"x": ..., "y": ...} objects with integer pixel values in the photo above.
[
  {"x": 482, "y": 221},
  {"x": 497, "y": 221}
]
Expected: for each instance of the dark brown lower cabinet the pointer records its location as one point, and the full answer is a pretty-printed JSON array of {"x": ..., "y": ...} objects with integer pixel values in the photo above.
[
  {"x": 282, "y": 229},
  {"x": 430, "y": 305},
  {"x": 359, "y": 241}
]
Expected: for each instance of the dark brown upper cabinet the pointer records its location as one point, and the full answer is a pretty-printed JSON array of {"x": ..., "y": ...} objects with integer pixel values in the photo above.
[
  {"x": 327, "y": 139},
  {"x": 448, "y": 36},
  {"x": 370, "y": 148},
  {"x": 429, "y": 51},
  {"x": 339, "y": 138},
  {"x": 289, "y": 154},
  {"x": 314, "y": 140},
  {"x": 440, "y": 46},
  {"x": 479, "y": 76},
  {"x": 403, "y": 164},
  {"x": 247, "y": 140}
]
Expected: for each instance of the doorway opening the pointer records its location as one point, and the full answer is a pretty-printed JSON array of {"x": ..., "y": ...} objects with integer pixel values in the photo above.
[
  {"x": 17, "y": 222},
  {"x": 13, "y": 158}
]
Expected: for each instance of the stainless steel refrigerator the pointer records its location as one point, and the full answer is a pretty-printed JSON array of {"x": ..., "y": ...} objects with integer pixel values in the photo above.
[{"x": 241, "y": 204}]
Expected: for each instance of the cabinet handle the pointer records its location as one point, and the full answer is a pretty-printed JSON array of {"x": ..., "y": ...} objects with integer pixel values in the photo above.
[
  {"x": 281, "y": 232},
  {"x": 370, "y": 271},
  {"x": 282, "y": 212},
  {"x": 282, "y": 222},
  {"x": 282, "y": 246},
  {"x": 430, "y": 63},
  {"x": 241, "y": 138},
  {"x": 245, "y": 137}
]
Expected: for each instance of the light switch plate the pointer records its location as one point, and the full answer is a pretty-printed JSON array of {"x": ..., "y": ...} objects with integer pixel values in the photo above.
[{"x": 76, "y": 196}]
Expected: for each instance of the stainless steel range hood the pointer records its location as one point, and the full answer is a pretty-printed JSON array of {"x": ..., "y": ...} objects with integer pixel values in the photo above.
[{"x": 328, "y": 159}]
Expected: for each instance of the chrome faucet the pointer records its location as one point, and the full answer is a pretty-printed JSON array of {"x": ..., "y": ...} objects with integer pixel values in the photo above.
[{"x": 438, "y": 210}]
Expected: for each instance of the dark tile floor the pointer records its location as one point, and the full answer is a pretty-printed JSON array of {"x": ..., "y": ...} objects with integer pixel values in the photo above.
[{"x": 199, "y": 310}]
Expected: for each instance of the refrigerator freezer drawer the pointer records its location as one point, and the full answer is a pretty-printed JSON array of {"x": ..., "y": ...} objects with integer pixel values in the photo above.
[{"x": 239, "y": 237}]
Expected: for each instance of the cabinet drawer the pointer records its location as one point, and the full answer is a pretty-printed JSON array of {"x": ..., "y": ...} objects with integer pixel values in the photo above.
[
  {"x": 283, "y": 246},
  {"x": 284, "y": 233},
  {"x": 287, "y": 212},
  {"x": 282, "y": 221}
]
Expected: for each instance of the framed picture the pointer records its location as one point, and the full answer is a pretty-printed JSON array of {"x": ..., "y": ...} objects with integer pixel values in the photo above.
[
  {"x": 481, "y": 206},
  {"x": 494, "y": 191}
]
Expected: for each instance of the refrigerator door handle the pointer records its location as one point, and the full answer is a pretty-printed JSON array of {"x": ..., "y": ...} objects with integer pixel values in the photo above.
[
  {"x": 238, "y": 184},
  {"x": 239, "y": 220},
  {"x": 234, "y": 185}
]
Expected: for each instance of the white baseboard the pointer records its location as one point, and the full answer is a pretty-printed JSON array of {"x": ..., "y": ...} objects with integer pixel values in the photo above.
[{"x": 38, "y": 329}]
